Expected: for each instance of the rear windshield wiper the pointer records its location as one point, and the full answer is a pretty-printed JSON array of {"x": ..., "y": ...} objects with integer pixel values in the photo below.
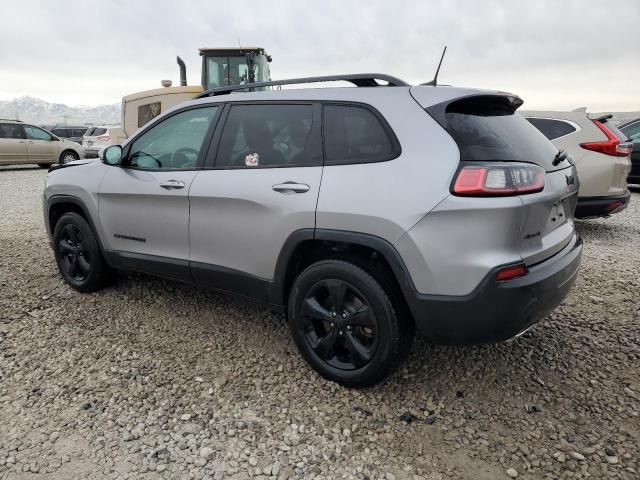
[{"x": 560, "y": 157}]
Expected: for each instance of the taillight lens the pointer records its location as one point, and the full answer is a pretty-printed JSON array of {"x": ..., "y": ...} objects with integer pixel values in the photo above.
[
  {"x": 499, "y": 180},
  {"x": 104, "y": 138},
  {"x": 611, "y": 146}
]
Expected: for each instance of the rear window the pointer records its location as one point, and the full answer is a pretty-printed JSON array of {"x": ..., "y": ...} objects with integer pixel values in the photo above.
[
  {"x": 487, "y": 128},
  {"x": 95, "y": 131},
  {"x": 551, "y": 128}
]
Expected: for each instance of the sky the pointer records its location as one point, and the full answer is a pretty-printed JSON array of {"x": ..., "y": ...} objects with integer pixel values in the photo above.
[{"x": 554, "y": 54}]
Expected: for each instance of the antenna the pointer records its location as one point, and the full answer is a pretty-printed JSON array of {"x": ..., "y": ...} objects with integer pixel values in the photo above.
[{"x": 434, "y": 82}]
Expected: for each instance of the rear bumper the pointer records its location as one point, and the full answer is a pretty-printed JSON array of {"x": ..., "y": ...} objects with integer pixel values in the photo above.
[
  {"x": 497, "y": 311},
  {"x": 601, "y": 206}
]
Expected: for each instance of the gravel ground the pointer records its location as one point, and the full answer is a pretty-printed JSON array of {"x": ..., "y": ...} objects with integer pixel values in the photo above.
[{"x": 153, "y": 379}]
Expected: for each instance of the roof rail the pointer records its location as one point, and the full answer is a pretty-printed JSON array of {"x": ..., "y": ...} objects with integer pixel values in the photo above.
[
  {"x": 358, "y": 79},
  {"x": 10, "y": 120}
]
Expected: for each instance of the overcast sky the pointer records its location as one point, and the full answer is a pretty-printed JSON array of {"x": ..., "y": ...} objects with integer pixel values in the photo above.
[{"x": 554, "y": 54}]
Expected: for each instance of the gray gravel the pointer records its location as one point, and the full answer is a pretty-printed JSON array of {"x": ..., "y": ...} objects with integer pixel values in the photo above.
[{"x": 153, "y": 379}]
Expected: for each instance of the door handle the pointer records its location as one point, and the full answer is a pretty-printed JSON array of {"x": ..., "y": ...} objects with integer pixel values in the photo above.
[
  {"x": 22, "y": 141},
  {"x": 290, "y": 187},
  {"x": 172, "y": 184}
]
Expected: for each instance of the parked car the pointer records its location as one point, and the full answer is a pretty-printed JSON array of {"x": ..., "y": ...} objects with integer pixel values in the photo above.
[
  {"x": 97, "y": 138},
  {"x": 24, "y": 143},
  {"x": 632, "y": 130},
  {"x": 70, "y": 132},
  {"x": 601, "y": 153},
  {"x": 365, "y": 213}
]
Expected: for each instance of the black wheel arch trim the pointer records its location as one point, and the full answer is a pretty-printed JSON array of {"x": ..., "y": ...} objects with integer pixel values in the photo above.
[
  {"x": 57, "y": 199},
  {"x": 277, "y": 293}
]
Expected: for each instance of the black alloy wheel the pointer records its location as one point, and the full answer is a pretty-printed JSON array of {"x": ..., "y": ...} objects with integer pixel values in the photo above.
[
  {"x": 348, "y": 321},
  {"x": 78, "y": 254},
  {"x": 339, "y": 324},
  {"x": 75, "y": 256}
]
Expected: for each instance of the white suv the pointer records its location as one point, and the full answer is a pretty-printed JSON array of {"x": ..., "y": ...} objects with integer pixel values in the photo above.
[{"x": 98, "y": 138}]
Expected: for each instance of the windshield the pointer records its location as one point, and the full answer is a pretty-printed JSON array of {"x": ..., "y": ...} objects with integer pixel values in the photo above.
[{"x": 222, "y": 71}]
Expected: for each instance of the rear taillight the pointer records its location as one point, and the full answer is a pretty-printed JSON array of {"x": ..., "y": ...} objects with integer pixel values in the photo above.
[
  {"x": 498, "y": 180},
  {"x": 509, "y": 273},
  {"x": 103, "y": 138},
  {"x": 611, "y": 146}
]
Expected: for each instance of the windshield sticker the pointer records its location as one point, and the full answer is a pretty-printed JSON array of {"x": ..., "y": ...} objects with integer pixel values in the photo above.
[{"x": 251, "y": 160}]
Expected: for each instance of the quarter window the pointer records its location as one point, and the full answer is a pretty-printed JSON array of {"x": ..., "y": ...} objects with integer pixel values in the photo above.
[
  {"x": 35, "y": 133},
  {"x": 269, "y": 136},
  {"x": 552, "y": 128},
  {"x": 8, "y": 130},
  {"x": 355, "y": 135},
  {"x": 174, "y": 143}
]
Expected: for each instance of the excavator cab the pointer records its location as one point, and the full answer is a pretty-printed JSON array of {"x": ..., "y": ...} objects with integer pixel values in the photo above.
[{"x": 222, "y": 67}]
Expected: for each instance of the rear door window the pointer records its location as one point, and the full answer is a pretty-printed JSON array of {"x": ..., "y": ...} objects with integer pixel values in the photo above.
[
  {"x": 487, "y": 128},
  {"x": 269, "y": 135},
  {"x": 355, "y": 134},
  {"x": 552, "y": 128},
  {"x": 78, "y": 132}
]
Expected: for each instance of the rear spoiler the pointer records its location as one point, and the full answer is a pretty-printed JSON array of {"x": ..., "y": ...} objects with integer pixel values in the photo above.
[{"x": 602, "y": 118}]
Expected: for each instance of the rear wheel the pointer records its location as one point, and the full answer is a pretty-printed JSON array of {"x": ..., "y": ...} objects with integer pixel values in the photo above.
[
  {"x": 345, "y": 324},
  {"x": 68, "y": 156},
  {"x": 78, "y": 255}
]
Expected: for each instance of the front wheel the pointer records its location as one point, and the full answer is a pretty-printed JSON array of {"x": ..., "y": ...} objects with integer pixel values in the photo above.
[
  {"x": 345, "y": 324},
  {"x": 78, "y": 255},
  {"x": 68, "y": 156}
]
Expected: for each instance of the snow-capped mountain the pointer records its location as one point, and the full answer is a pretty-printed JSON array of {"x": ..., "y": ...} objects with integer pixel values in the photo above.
[{"x": 35, "y": 110}]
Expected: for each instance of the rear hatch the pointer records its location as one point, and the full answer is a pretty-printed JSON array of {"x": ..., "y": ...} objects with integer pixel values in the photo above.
[
  {"x": 95, "y": 138},
  {"x": 489, "y": 132}
]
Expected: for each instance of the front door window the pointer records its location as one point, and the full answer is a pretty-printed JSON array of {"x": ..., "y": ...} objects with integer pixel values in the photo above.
[{"x": 174, "y": 143}]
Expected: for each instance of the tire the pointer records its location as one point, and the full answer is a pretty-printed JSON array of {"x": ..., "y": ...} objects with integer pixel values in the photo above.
[
  {"x": 68, "y": 156},
  {"x": 44, "y": 165},
  {"x": 78, "y": 255},
  {"x": 360, "y": 349}
]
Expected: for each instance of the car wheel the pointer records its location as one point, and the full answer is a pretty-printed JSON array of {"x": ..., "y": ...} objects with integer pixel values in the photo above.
[
  {"x": 345, "y": 325},
  {"x": 68, "y": 156},
  {"x": 78, "y": 255}
]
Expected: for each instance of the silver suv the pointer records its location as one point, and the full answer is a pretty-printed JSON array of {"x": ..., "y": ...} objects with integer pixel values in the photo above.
[{"x": 365, "y": 213}]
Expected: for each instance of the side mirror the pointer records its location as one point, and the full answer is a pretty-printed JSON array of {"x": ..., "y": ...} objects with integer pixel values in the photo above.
[{"x": 111, "y": 155}]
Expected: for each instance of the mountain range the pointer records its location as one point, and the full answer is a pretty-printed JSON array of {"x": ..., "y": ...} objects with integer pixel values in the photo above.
[{"x": 40, "y": 112}]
